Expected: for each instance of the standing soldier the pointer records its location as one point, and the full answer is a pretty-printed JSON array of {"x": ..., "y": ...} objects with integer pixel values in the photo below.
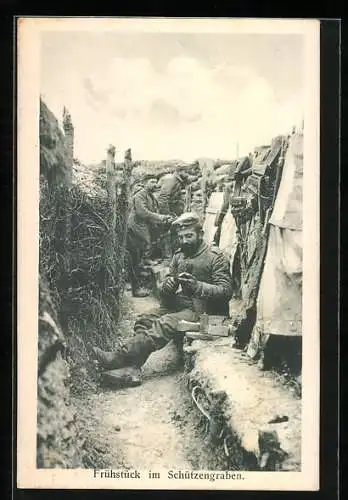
[
  {"x": 143, "y": 218},
  {"x": 171, "y": 200}
]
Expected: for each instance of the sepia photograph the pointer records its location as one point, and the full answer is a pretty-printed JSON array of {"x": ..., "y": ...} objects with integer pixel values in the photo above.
[{"x": 168, "y": 187}]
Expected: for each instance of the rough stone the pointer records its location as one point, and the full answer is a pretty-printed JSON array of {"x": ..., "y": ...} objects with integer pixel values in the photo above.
[{"x": 161, "y": 362}]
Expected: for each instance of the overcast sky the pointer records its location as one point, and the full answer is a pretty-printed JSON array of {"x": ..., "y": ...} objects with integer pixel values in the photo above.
[{"x": 173, "y": 95}]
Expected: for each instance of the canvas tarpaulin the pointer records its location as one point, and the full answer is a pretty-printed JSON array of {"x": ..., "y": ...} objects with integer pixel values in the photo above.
[
  {"x": 214, "y": 206},
  {"x": 287, "y": 211},
  {"x": 279, "y": 304},
  {"x": 228, "y": 239}
]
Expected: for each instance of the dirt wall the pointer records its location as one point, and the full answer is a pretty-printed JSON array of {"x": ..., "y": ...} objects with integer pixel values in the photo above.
[{"x": 57, "y": 437}]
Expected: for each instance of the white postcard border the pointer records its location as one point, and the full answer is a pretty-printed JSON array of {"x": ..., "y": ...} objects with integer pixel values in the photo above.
[{"x": 28, "y": 72}]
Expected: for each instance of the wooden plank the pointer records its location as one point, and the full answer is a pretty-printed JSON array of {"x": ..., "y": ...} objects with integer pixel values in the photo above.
[{"x": 205, "y": 336}]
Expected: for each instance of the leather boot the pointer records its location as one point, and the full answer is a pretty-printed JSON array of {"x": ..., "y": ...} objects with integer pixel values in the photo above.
[
  {"x": 141, "y": 292},
  {"x": 121, "y": 378},
  {"x": 134, "y": 354}
]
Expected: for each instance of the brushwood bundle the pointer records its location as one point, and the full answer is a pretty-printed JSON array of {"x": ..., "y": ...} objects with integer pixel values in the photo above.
[{"x": 82, "y": 247}]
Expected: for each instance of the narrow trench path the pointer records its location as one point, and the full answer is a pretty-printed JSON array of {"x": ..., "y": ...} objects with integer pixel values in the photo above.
[
  {"x": 141, "y": 426},
  {"x": 156, "y": 425},
  {"x": 153, "y": 425}
]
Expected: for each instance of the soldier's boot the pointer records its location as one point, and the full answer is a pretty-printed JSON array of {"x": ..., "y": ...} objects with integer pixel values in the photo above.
[
  {"x": 138, "y": 290},
  {"x": 149, "y": 259},
  {"x": 121, "y": 378},
  {"x": 134, "y": 354},
  {"x": 141, "y": 292}
]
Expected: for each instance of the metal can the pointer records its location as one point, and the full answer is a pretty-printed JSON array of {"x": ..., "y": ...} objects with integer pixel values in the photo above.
[{"x": 204, "y": 323}]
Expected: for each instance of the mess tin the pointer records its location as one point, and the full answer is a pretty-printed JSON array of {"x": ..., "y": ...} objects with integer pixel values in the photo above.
[{"x": 218, "y": 326}]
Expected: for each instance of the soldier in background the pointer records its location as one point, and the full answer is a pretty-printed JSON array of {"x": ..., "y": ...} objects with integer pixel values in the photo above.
[
  {"x": 170, "y": 197},
  {"x": 143, "y": 219},
  {"x": 171, "y": 201}
]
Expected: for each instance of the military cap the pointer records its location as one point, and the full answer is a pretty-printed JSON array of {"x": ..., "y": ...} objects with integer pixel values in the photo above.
[
  {"x": 187, "y": 219},
  {"x": 148, "y": 176},
  {"x": 128, "y": 154}
]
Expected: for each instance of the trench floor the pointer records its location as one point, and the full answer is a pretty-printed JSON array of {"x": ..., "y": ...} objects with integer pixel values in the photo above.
[
  {"x": 150, "y": 426},
  {"x": 154, "y": 425}
]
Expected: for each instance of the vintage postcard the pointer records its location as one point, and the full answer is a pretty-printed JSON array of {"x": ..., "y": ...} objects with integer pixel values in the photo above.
[{"x": 168, "y": 253}]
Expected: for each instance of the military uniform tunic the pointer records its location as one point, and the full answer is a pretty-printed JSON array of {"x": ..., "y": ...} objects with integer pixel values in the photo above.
[
  {"x": 211, "y": 268},
  {"x": 142, "y": 226},
  {"x": 170, "y": 199},
  {"x": 143, "y": 216}
]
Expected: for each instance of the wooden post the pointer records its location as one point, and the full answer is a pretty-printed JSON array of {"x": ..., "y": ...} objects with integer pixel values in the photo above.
[
  {"x": 188, "y": 198},
  {"x": 204, "y": 188},
  {"x": 110, "y": 171},
  {"x": 69, "y": 145},
  {"x": 123, "y": 207},
  {"x": 128, "y": 165},
  {"x": 66, "y": 211},
  {"x": 111, "y": 217},
  {"x": 111, "y": 182},
  {"x": 110, "y": 159},
  {"x": 126, "y": 181}
]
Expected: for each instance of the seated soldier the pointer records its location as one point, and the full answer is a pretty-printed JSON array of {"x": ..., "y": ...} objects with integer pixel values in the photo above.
[{"x": 198, "y": 281}]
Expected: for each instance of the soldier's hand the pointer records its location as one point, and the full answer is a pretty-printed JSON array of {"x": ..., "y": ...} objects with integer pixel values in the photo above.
[
  {"x": 166, "y": 219},
  {"x": 189, "y": 282},
  {"x": 169, "y": 219},
  {"x": 170, "y": 285}
]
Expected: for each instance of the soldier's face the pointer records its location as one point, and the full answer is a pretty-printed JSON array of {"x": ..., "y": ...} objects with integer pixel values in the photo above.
[
  {"x": 152, "y": 184},
  {"x": 189, "y": 239}
]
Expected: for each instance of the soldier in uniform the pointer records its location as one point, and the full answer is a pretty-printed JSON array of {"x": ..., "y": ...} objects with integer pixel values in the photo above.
[
  {"x": 172, "y": 201},
  {"x": 198, "y": 281},
  {"x": 143, "y": 219}
]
